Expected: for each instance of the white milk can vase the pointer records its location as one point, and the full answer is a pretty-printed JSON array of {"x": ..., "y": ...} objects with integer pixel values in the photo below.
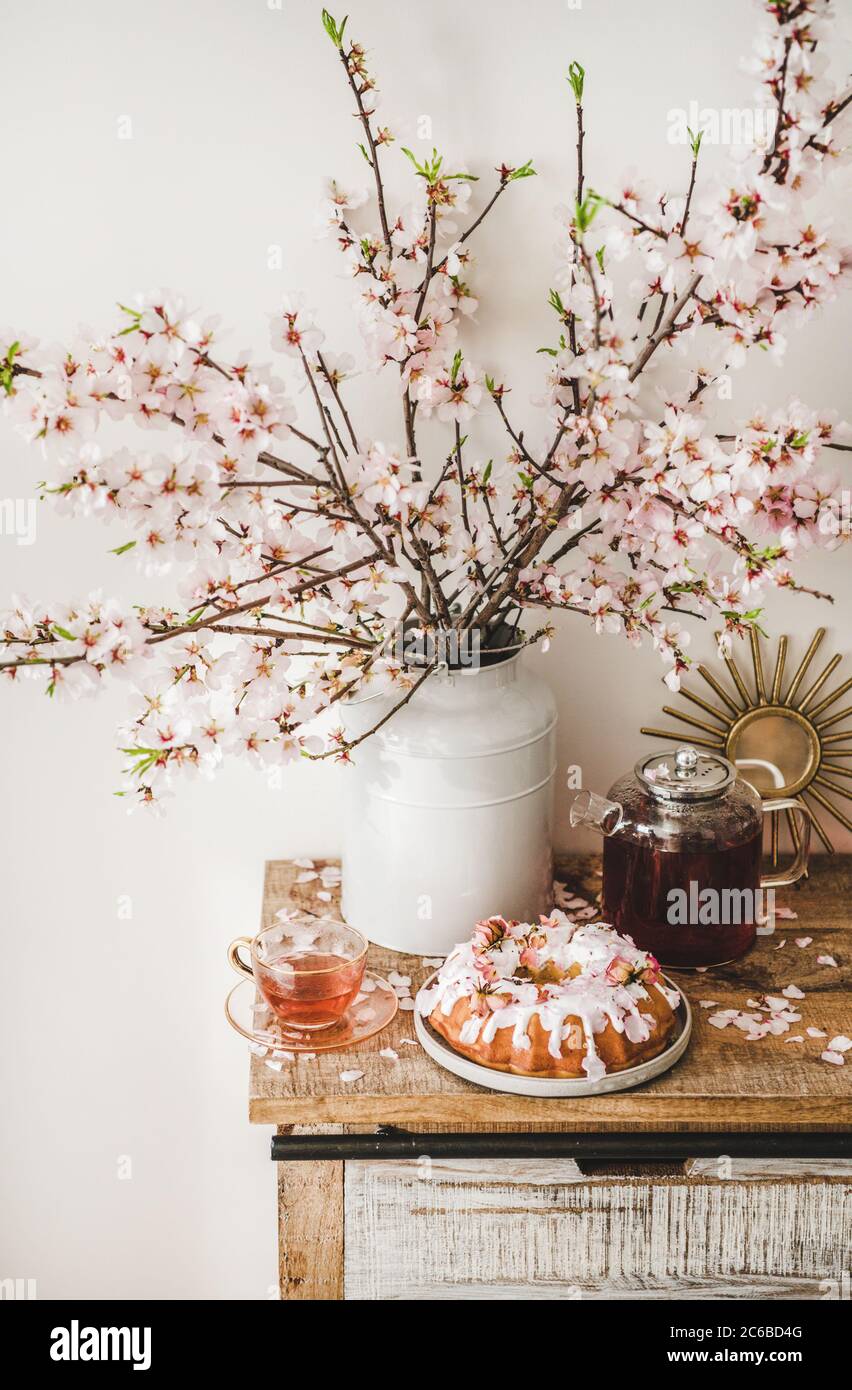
[{"x": 449, "y": 810}]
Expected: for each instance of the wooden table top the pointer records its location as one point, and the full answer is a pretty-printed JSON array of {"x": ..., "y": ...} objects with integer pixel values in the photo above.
[{"x": 724, "y": 1082}]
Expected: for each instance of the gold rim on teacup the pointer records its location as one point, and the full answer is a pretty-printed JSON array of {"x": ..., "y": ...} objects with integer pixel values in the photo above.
[
  {"x": 284, "y": 983},
  {"x": 250, "y": 943}
]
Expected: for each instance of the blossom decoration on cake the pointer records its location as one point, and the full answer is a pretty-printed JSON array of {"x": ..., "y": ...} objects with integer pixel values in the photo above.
[{"x": 555, "y": 998}]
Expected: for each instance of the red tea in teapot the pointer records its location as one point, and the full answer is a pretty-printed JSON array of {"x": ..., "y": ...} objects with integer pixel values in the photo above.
[
  {"x": 682, "y": 849},
  {"x": 687, "y": 907}
]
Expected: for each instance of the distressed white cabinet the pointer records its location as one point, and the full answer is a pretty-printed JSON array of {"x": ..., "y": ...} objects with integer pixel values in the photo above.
[{"x": 682, "y": 1226}]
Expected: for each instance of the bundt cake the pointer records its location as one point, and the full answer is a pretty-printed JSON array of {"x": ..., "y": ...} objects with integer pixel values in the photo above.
[{"x": 559, "y": 999}]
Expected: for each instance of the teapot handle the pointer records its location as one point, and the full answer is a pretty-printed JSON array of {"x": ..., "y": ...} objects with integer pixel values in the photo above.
[{"x": 799, "y": 865}]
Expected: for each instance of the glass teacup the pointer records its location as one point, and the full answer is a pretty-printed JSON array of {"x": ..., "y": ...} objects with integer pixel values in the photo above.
[{"x": 308, "y": 969}]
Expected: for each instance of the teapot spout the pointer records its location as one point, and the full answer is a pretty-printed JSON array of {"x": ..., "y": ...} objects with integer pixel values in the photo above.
[{"x": 596, "y": 813}]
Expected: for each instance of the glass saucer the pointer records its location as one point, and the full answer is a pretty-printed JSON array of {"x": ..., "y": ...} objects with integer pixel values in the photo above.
[{"x": 250, "y": 1015}]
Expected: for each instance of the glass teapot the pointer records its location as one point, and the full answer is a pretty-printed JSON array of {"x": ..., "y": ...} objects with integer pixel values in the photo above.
[{"x": 683, "y": 841}]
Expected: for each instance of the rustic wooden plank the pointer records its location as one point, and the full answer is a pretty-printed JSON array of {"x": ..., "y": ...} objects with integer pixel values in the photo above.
[
  {"x": 667, "y": 1290},
  {"x": 521, "y": 1172},
  {"x": 506, "y": 1229},
  {"x": 723, "y": 1082},
  {"x": 310, "y": 1228},
  {"x": 598, "y": 1113},
  {"x": 753, "y": 1169}
]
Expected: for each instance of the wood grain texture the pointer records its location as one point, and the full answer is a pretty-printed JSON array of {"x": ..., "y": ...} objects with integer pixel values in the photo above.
[
  {"x": 310, "y": 1227},
  {"x": 508, "y": 1229},
  {"x": 723, "y": 1082},
  {"x": 754, "y": 1169}
]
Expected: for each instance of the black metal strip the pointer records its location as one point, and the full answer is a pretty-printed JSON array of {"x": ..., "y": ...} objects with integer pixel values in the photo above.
[{"x": 387, "y": 1142}]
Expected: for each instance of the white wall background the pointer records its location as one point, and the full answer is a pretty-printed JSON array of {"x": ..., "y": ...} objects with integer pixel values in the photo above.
[{"x": 114, "y": 1040}]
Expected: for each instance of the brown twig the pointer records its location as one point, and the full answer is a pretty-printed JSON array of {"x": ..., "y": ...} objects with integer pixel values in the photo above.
[
  {"x": 645, "y": 226},
  {"x": 340, "y": 639},
  {"x": 374, "y": 154},
  {"x": 336, "y": 393},
  {"x": 779, "y": 118},
  {"x": 692, "y": 174},
  {"x": 665, "y": 329},
  {"x": 343, "y": 748}
]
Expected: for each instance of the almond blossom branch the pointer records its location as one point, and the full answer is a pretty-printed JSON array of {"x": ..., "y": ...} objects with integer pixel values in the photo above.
[
  {"x": 664, "y": 331},
  {"x": 696, "y": 146},
  {"x": 353, "y": 66},
  {"x": 344, "y": 747},
  {"x": 341, "y": 407},
  {"x": 294, "y": 579}
]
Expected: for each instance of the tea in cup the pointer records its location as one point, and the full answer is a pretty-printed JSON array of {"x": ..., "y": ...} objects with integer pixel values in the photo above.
[{"x": 308, "y": 969}]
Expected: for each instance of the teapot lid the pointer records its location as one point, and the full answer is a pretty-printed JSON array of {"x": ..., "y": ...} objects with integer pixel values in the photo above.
[{"x": 685, "y": 774}]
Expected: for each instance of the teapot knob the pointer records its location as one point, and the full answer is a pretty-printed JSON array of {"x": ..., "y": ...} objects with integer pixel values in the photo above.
[{"x": 686, "y": 761}]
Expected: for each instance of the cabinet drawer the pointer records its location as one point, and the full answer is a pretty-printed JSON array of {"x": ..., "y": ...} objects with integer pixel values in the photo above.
[{"x": 714, "y": 1228}]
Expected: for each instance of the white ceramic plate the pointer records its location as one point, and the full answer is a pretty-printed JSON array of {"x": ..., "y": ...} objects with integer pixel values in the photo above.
[{"x": 554, "y": 1088}]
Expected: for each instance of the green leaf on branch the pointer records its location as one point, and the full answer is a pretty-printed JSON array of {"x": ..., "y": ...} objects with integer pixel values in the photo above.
[
  {"x": 551, "y": 352},
  {"x": 63, "y": 632},
  {"x": 694, "y": 141},
  {"x": 364, "y": 152},
  {"x": 457, "y": 361},
  {"x": 430, "y": 169},
  {"x": 526, "y": 480},
  {"x": 487, "y": 474},
  {"x": 145, "y": 759},
  {"x": 136, "y": 316},
  {"x": 586, "y": 212},
  {"x": 6, "y": 373},
  {"x": 599, "y": 257},
  {"x": 335, "y": 32},
  {"x": 577, "y": 77},
  {"x": 749, "y": 618},
  {"x": 123, "y": 549},
  {"x": 525, "y": 171}
]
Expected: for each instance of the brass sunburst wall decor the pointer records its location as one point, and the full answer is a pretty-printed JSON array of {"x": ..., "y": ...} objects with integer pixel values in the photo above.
[{"x": 787, "y": 740}]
